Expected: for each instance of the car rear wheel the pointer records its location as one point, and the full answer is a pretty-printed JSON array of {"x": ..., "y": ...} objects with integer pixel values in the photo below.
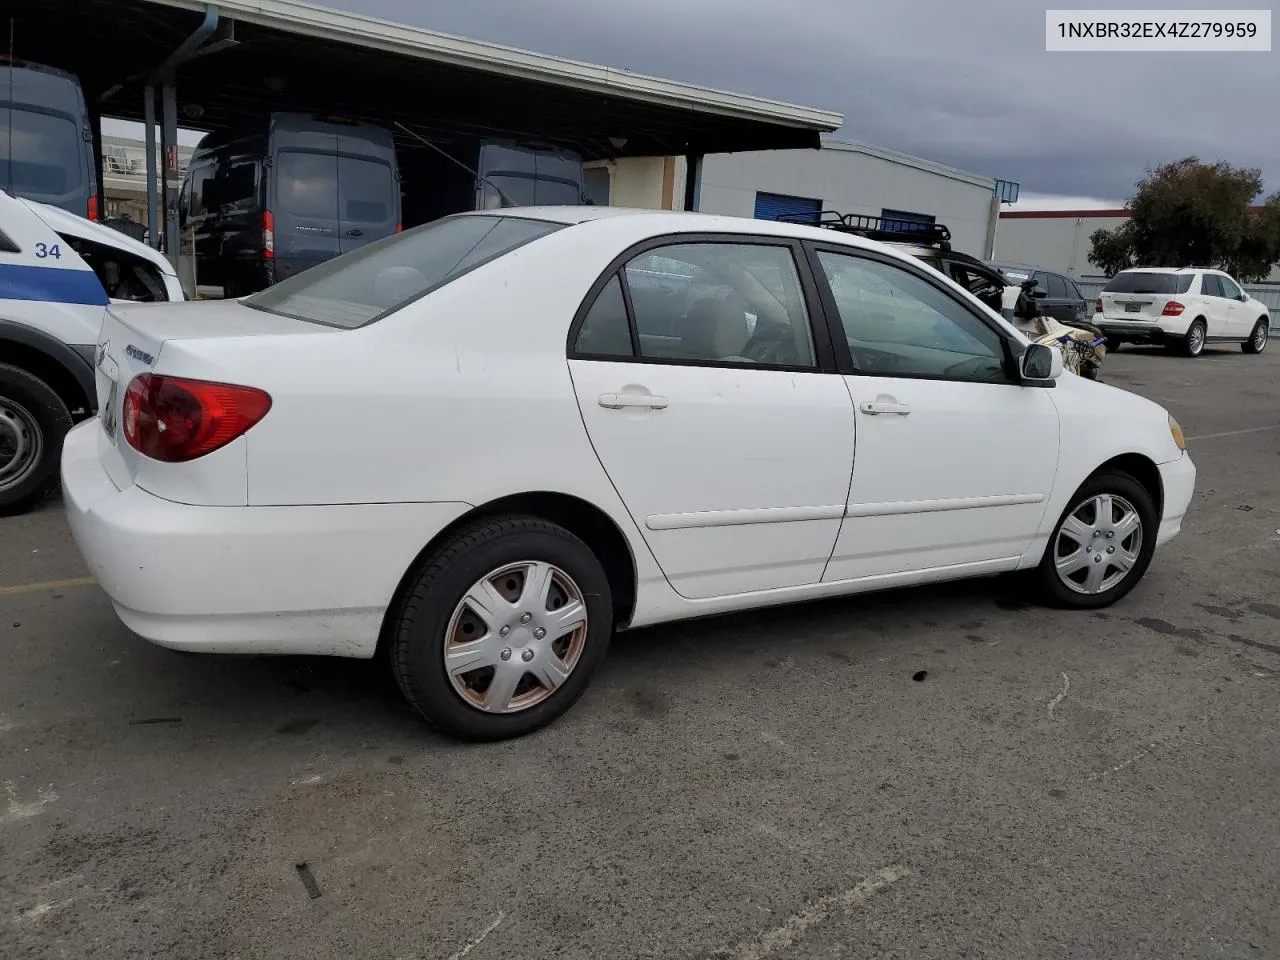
[
  {"x": 1102, "y": 544},
  {"x": 502, "y": 628},
  {"x": 1193, "y": 343},
  {"x": 1257, "y": 341},
  {"x": 33, "y": 422}
]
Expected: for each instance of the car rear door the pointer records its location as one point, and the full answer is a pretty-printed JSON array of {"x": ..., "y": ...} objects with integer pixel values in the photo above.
[{"x": 729, "y": 436}]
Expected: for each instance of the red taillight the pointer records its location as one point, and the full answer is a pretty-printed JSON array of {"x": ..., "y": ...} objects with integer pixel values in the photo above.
[
  {"x": 399, "y": 228},
  {"x": 1172, "y": 309},
  {"x": 268, "y": 235},
  {"x": 1097, "y": 305},
  {"x": 174, "y": 420},
  {"x": 93, "y": 208}
]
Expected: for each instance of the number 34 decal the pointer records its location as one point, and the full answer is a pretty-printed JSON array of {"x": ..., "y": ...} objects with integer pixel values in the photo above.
[{"x": 44, "y": 251}]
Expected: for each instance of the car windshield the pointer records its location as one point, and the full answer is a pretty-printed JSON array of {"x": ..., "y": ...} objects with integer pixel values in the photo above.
[
  {"x": 1144, "y": 282},
  {"x": 369, "y": 283}
]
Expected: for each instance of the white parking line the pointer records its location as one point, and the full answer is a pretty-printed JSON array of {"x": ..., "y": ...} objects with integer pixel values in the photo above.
[{"x": 1234, "y": 433}]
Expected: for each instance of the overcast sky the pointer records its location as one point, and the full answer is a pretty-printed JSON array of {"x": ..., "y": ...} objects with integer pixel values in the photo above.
[{"x": 965, "y": 83}]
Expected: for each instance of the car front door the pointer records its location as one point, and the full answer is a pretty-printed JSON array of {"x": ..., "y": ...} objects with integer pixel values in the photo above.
[
  {"x": 728, "y": 433},
  {"x": 955, "y": 459}
]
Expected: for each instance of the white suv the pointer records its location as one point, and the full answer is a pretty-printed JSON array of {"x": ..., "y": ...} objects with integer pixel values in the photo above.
[{"x": 1183, "y": 308}]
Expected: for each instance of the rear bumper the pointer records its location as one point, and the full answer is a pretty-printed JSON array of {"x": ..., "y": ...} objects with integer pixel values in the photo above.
[
  {"x": 1151, "y": 331},
  {"x": 1178, "y": 478},
  {"x": 313, "y": 580}
]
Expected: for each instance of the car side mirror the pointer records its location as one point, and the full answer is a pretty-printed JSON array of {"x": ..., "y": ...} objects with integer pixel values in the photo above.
[
  {"x": 1039, "y": 294},
  {"x": 1041, "y": 364}
]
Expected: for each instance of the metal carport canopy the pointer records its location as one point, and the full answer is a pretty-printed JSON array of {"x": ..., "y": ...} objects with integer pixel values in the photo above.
[{"x": 283, "y": 54}]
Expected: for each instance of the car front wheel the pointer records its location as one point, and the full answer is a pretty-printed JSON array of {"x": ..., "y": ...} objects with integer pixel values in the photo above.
[
  {"x": 502, "y": 628},
  {"x": 1102, "y": 544}
]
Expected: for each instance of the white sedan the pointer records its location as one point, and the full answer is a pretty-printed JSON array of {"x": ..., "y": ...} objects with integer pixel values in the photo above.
[{"x": 486, "y": 443}]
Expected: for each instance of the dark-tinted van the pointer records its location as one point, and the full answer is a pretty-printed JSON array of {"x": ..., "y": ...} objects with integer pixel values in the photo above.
[
  {"x": 46, "y": 141},
  {"x": 267, "y": 203},
  {"x": 526, "y": 174}
]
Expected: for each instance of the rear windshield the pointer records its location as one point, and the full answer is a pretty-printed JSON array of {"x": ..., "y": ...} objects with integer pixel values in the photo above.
[
  {"x": 375, "y": 280},
  {"x": 39, "y": 154},
  {"x": 1139, "y": 282}
]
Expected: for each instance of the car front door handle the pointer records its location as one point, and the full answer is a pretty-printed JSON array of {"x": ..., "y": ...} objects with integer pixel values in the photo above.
[
  {"x": 616, "y": 401},
  {"x": 873, "y": 408},
  {"x": 355, "y": 233}
]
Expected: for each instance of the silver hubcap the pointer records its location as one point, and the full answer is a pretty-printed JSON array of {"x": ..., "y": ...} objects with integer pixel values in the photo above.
[
  {"x": 21, "y": 444},
  {"x": 1098, "y": 545},
  {"x": 1197, "y": 338},
  {"x": 1260, "y": 337},
  {"x": 515, "y": 637}
]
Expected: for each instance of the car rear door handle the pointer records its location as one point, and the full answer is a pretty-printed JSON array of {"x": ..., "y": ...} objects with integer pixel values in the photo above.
[
  {"x": 616, "y": 401},
  {"x": 355, "y": 233},
  {"x": 873, "y": 408}
]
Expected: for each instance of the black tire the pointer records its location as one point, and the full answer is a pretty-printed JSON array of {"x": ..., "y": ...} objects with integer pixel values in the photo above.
[
  {"x": 1119, "y": 484},
  {"x": 1113, "y": 344},
  {"x": 418, "y": 634},
  {"x": 1258, "y": 338},
  {"x": 1191, "y": 344},
  {"x": 32, "y": 411}
]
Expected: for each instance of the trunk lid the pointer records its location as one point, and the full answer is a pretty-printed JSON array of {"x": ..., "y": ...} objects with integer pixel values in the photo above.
[{"x": 131, "y": 343}]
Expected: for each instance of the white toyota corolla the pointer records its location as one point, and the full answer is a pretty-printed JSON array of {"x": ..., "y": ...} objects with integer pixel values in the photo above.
[{"x": 490, "y": 441}]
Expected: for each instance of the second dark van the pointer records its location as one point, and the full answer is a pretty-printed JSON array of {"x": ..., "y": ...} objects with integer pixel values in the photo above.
[{"x": 264, "y": 204}]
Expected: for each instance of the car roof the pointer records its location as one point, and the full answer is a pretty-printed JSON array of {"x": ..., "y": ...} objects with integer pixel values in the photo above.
[
  {"x": 1169, "y": 270},
  {"x": 680, "y": 221}
]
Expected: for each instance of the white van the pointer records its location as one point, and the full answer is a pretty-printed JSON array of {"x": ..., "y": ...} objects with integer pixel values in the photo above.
[{"x": 58, "y": 272}]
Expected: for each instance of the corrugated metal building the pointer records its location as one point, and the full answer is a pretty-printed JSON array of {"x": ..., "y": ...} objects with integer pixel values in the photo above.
[
  {"x": 1058, "y": 240},
  {"x": 852, "y": 178}
]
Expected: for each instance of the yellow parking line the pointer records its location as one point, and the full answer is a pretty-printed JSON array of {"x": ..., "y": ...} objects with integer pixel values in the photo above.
[{"x": 47, "y": 585}]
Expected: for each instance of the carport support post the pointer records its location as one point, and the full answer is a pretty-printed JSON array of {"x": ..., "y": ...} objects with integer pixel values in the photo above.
[
  {"x": 149, "y": 120},
  {"x": 169, "y": 137},
  {"x": 692, "y": 180}
]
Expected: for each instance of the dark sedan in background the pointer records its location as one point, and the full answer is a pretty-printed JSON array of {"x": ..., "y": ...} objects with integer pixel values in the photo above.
[{"x": 1062, "y": 298}]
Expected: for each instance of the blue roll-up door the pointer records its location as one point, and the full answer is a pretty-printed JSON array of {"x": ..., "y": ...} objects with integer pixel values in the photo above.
[{"x": 771, "y": 206}]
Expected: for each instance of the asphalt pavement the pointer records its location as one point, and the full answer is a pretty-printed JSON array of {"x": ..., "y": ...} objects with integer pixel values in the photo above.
[{"x": 936, "y": 773}]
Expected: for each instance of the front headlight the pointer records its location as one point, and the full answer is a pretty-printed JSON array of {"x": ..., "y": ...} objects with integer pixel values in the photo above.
[{"x": 1178, "y": 438}]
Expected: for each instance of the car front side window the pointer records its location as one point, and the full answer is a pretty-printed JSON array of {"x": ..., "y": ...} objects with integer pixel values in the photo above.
[
  {"x": 898, "y": 324},
  {"x": 1229, "y": 288}
]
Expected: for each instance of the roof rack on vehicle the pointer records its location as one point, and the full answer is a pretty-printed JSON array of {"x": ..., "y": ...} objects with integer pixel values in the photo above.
[{"x": 885, "y": 229}]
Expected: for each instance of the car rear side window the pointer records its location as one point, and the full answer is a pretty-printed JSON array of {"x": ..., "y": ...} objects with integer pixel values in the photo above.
[
  {"x": 1139, "y": 281},
  {"x": 1210, "y": 285},
  {"x": 605, "y": 331},
  {"x": 373, "y": 281}
]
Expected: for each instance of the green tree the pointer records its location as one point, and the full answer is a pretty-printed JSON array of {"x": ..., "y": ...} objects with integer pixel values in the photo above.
[{"x": 1189, "y": 212}]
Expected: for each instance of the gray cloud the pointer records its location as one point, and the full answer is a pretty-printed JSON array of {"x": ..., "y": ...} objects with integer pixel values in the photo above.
[{"x": 968, "y": 84}]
